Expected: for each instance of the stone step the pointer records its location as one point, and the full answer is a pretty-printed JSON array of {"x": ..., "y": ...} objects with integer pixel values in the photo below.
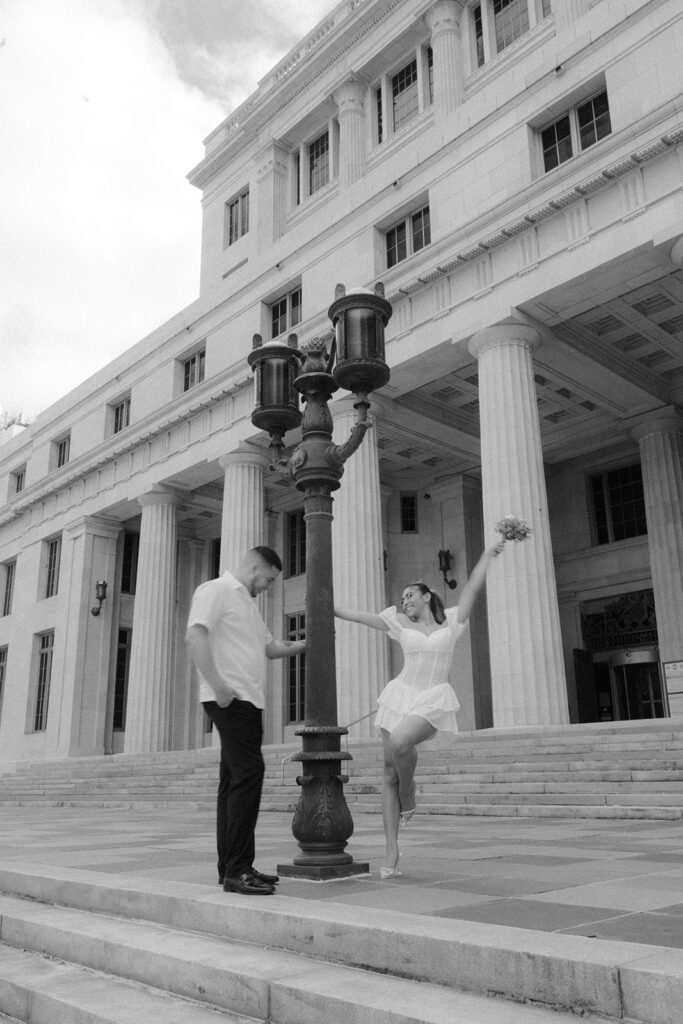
[
  {"x": 37, "y": 990},
  {"x": 328, "y": 962}
]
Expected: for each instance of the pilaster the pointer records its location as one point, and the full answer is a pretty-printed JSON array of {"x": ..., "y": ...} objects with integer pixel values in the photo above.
[
  {"x": 660, "y": 437},
  {"x": 527, "y": 671},
  {"x": 358, "y": 574},
  {"x": 154, "y": 626},
  {"x": 271, "y": 182},
  {"x": 88, "y": 554}
]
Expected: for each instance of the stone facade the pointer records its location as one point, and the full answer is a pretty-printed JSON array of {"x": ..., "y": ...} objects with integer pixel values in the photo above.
[{"x": 514, "y": 179}]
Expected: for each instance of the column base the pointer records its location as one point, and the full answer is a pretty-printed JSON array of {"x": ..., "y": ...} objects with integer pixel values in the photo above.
[{"x": 322, "y": 872}]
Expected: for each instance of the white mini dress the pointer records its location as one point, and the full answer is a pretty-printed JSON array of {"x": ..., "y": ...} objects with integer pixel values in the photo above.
[{"x": 422, "y": 688}]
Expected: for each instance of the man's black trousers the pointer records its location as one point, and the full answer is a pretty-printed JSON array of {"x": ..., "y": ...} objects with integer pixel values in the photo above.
[{"x": 240, "y": 727}]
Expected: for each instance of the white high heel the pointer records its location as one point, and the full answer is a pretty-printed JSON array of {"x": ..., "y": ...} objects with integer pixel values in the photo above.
[{"x": 388, "y": 872}]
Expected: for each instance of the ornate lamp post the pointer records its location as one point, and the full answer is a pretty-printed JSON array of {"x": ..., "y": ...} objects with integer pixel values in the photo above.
[{"x": 322, "y": 822}]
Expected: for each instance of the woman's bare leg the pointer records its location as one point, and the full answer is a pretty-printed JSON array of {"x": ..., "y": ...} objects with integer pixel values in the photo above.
[
  {"x": 403, "y": 744},
  {"x": 391, "y": 808}
]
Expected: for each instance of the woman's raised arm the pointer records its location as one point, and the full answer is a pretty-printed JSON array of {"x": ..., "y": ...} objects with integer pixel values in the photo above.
[{"x": 365, "y": 618}]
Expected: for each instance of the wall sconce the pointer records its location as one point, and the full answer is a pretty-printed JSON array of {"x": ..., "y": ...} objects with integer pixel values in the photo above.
[
  {"x": 445, "y": 566},
  {"x": 100, "y": 596}
]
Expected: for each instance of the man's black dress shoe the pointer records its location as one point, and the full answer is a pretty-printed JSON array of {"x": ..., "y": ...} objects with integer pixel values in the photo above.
[
  {"x": 248, "y": 885},
  {"x": 268, "y": 879}
]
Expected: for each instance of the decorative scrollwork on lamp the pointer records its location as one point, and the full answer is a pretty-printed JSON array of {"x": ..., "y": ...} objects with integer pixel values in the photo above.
[
  {"x": 445, "y": 566},
  {"x": 100, "y": 596}
]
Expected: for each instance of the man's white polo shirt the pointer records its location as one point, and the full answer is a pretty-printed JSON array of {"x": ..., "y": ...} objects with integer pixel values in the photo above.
[{"x": 237, "y": 637}]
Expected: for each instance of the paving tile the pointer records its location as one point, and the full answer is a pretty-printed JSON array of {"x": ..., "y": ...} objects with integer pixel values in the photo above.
[
  {"x": 660, "y": 929},
  {"x": 546, "y": 917}
]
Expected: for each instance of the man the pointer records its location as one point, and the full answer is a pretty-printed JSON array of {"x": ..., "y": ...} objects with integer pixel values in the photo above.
[{"x": 229, "y": 642}]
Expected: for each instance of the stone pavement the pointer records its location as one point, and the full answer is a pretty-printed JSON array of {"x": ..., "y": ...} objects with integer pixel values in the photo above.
[{"x": 604, "y": 878}]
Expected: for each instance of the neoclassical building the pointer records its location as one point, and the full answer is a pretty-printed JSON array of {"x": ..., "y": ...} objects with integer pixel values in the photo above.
[{"x": 512, "y": 172}]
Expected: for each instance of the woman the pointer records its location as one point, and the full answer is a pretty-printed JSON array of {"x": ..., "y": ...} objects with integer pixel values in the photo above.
[{"x": 419, "y": 701}]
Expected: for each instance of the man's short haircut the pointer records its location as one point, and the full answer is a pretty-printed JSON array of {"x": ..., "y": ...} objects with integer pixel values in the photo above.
[{"x": 269, "y": 556}]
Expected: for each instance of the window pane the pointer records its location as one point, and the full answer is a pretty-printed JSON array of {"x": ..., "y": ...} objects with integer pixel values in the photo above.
[
  {"x": 296, "y": 689},
  {"x": 396, "y": 244},
  {"x": 380, "y": 126},
  {"x": 295, "y": 305},
  {"x": 63, "y": 452},
  {"x": 279, "y": 317},
  {"x": 319, "y": 163},
  {"x": 121, "y": 679},
  {"x": 408, "y": 513},
  {"x": 129, "y": 566},
  {"x": 404, "y": 93},
  {"x": 557, "y": 143},
  {"x": 43, "y": 683},
  {"x": 594, "y": 120},
  {"x": 53, "y": 556},
  {"x": 627, "y": 502},
  {"x": 511, "y": 20},
  {"x": 421, "y": 229}
]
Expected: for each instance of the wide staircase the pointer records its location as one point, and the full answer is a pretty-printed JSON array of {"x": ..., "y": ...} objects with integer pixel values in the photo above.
[
  {"x": 629, "y": 769},
  {"x": 82, "y": 947}
]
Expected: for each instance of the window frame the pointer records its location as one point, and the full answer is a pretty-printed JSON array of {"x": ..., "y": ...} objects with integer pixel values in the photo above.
[
  {"x": 572, "y": 117},
  {"x": 295, "y": 543},
  {"x": 4, "y": 658},
  {"x": 236, "y": 223},
  {"x": 121, "y": 681},
  {"x": 384, "y": 94},
  {"x": 52, "y": 565},
  {"x": 405, "y": 229},
  {"x": 18, "y": 478},
  {"x": 193, "y": 369},
  {"x": 404, "y": 496},
  {"x": 484, "y": 37},
  {"x": 9, "y": 579},
  {"x": 120, "y": 414},
  {"x": 130, "y": 549},
  {"x": 303, "y": 173},
  {"x": 44, "y": 650},
  {"x": 603, "y": 518},
  {"x": 292, "y": 304}
]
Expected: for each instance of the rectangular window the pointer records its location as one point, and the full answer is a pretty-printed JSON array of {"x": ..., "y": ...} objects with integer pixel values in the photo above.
[
  {"x": 121, "y": 679},
  {"x": 54, "y": 551},
  {"x": 411, "y": 234},
  {"x": 3, "y": 671},
  {"x": 63, "y": 449},
  {"x": 618, "y": 504},
  {"x": 121, "y": 415},
  {"x": 409, "y": 512},
  {"x": 478, "y": 35},
  {"x": 45, "y": 648},
  {"x": 285, "y": 313},
  {"x": 378, "y": 106},
  {"x": 404, "y": 95},
  {"x": 296, "y": 669},
  {"x": 511, "y": 20},
  {"x": 193, "y": 370},
  {"x": 319, "y": 163},
  {"x": 575, "y": 131},
  {"x": 19, "y": 479},
  {"x": 295, "y": 543},
  {"x": 8, "y": 589},
  {"x": 237, "y": 217},
  {"x": 129, "y": 562}
]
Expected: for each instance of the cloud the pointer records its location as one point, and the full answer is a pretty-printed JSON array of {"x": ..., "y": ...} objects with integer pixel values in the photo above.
[{"x": 104, "y": 110}]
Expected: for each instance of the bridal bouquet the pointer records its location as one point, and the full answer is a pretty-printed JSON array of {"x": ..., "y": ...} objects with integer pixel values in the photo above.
[{"x": 513, "y": 528}]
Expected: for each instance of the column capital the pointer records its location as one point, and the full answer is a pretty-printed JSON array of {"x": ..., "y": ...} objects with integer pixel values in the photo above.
[
  {"x": 245, "y": 455},
  {"x": 513, "y": 333},
  {"x": 668, "y": 420},
  {"x": 159, "y": 496},
  {"x": 444, "y": 16},
  {"x": 272, "y": 158},
  {"x": 350, "y": 94}
]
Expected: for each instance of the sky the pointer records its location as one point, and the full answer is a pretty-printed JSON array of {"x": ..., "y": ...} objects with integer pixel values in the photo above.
[{"x": 103, "y": 108}]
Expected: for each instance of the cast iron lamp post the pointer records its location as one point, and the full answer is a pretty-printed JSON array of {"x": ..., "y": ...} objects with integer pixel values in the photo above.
[{"x": 322, "y": 821}]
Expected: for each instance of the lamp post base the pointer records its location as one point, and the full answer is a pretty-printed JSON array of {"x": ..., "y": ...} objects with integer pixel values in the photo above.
[{"x": 322, "y": 872}]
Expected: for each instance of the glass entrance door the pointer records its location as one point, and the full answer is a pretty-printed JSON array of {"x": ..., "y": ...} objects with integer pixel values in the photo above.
[{"x": 637, "y": 686}]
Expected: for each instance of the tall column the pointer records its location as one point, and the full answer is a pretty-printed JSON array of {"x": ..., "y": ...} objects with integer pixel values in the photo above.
[
  {"x": 527, "y": 672},
  {"x": 349, "y": 99},
  {"x": 358, "y": 573},
  {"x": 660, "y": 437},
  {"x": 443, "y": 22},
  {"x": 154, "y": 626},
  {"x": 243, "y": 525},
  {"x": 271, "y": 178}
]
